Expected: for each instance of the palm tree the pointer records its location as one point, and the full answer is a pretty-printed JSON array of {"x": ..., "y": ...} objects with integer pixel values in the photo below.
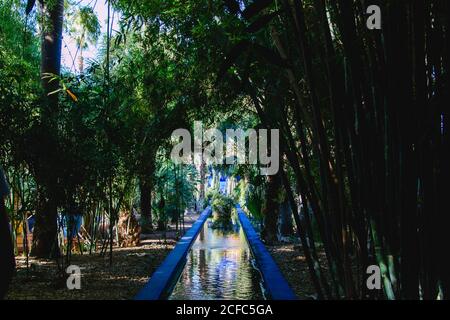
[
  {"x": 85, "y": 28},
  {"x": 45, "y": 230}
]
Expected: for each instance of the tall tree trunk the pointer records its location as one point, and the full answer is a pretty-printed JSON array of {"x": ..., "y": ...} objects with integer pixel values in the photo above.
[
  {"x": 81, "y": 61},
  {"x": 271, "y": 210},
  {"x": 285, "y": 220},
  {"x": 146, "y": 205},
  {"x": 7, "y": 262},
  {"x": 45, "y": 231},
  {"x": 53, "y": 16},
  {"x": 201, "y": 198}
]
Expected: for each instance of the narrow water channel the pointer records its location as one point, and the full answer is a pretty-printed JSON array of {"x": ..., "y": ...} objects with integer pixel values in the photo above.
[{"x": 219, "y": 266}]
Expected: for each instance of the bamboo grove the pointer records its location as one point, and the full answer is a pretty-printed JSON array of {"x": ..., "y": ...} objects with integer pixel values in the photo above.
[{"x": 368, "y": 110}]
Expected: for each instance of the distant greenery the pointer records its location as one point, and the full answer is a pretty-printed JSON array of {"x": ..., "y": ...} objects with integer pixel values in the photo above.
[{"x": 222, "y": 208}]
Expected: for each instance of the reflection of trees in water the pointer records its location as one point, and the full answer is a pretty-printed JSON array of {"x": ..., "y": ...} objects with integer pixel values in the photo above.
[
  {"x": 247, "y": 288},
  {"x": 225, "y": 272},
  {"x": 203, "y": 269},
  {"x": 218, "y": 267},
  {"x": 201, "y": 261}
]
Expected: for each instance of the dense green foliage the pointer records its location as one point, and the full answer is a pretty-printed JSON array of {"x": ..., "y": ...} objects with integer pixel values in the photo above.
[
  {"x": 363, "y": 119},
  {"x": 222, "y": 207}
]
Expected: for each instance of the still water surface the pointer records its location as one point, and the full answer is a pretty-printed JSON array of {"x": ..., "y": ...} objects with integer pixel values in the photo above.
[{"x": 219, "y": 266}]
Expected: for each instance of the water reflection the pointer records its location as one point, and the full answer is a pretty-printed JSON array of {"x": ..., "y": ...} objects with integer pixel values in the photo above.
[{"x": 219, "y": 266}]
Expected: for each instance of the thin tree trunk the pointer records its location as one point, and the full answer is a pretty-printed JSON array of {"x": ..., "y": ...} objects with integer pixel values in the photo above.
[
  {"x": 45, "y": 232},
  {"x": 45, "y": 244},
  {"x": 146, "y": 205},
  {"x": 286, "y": 227},
  {"x": 271, "y": 208}
]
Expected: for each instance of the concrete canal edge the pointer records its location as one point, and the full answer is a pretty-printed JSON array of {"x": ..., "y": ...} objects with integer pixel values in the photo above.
[
  {"x": 275, "y": 284},
  {"x": 163, "y": 279}
]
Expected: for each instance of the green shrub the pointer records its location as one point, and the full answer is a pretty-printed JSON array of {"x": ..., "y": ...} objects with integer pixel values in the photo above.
[
  {"x": 210, "y": 195},
  {"x": 222, "y": 207}
]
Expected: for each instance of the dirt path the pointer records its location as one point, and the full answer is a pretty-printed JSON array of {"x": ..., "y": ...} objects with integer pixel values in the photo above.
[
  {"x": 131, "y": 269},
  {"x": 292, "y": 263},
  {"x": 129, "y": 272}
]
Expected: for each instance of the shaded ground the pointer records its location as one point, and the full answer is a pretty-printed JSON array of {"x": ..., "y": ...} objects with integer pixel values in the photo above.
[
  {"x": 292, "y": 263},
  {"x": 132, "y": 268},
  {"x": 129, "y": 272}
]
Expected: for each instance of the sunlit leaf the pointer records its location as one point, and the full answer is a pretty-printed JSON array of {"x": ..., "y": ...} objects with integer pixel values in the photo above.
[{"x": 74, "y": 97}]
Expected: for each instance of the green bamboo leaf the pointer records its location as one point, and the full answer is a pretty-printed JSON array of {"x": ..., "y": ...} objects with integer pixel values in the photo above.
[
  {"x": 54, "y": 92},
  {"x": 46, "y": 75}
]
